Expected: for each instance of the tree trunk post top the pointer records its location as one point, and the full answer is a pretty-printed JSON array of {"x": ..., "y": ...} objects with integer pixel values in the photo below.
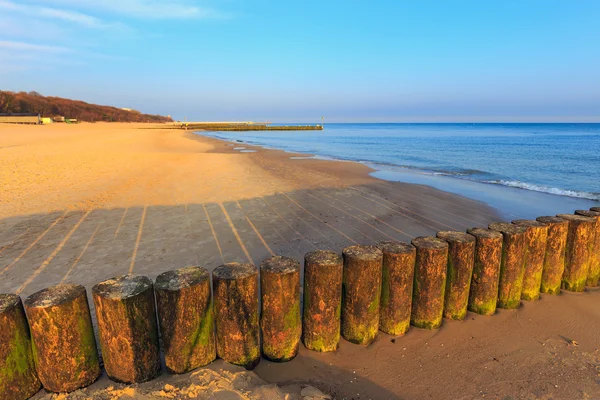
[
  {"x": 64, "y": 346},
  {"x": 186, "y": 320},
  {"x": 361, "y": 293},
  {"x": 280, "y": 318},
  {"x": 126, "y": 314},
  {"x": 512, "y": 268},
  {"x": 429, "y": 282},
  {"x": 18, "y": 377},
  {"x": 323, "y": 271},
  {"x": 537, "y": 239},
  {"x": 461, "y": 260},
  {"x": 235, "y": 294},
  {"x": 396, "y": 287},
  {"x": 594, "y": 267},
  {"x": 554, "y": 259},
  {"x": 486, "y": 271},
  {"x": 577, "y": 258}
]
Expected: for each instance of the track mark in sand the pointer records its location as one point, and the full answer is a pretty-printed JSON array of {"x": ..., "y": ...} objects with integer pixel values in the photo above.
[
  {"x": 58, "y": 248},
  {"x": 288, "y": 224},
  {"x": 308, "y": 212},
  {"x": 14, "y": 241},
  {"x": 121, "y": 223},
  {"x": 32, "y": 244},
  {"x": 358, "y": 219},
  {"x": 138, "y": 240},
  {"x": 212, "y": 229},
  {"x": 264, "y": 242},
  {"x": 407, "y": 210},
  {"x": 310, "y": 226},
  {"x": 80, "y": 254},
  {"x": 189, "y": 221},
  {"x": 236, "y": 234}
]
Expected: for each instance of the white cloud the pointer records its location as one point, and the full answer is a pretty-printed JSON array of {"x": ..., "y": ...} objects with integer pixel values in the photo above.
[
  {"x": 152, "y": 9},
  {"x": 53, "y": 13},
  {"x": 30, "y": 47}
]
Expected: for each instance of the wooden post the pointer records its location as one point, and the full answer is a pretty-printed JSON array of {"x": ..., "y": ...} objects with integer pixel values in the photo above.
[
  {"x": 512, "y": 268},
  {"x": 64, "y": 347},
  {"x": 594, "y": 268},
  {"x": 486, "y": 271},
  {"x": 18, "y": 378},
  {"x": 280, "y": 318},
  {"x": 461, "y": 259},
  {"x": 396, "y": 287},
  {"x": 537, "y": 239},
  {"x": 235, "y": 292},
  {"x": 323, "y": 272},
  {"x": 596, "y": 209},
  {"x": 429, "y": 282},
  {"x": 361, "y": 293},
  {"x": 128, "y": 331},
  {"x": 554, "y": 259},
  {"x": 577, "y": 257},
  {"x": 186, "y": 320}
]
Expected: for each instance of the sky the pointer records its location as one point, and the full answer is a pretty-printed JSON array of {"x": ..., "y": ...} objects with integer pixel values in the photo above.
[{"x": 295, "y": 61}]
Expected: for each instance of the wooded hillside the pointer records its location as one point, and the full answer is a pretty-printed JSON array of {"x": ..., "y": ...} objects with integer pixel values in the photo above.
[{"x": 34, "y": 102}]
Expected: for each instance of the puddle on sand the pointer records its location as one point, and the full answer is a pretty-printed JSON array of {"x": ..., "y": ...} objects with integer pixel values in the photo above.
[
  {"x": 239, "y": 148},
  {"x": 248, "y": 151}
]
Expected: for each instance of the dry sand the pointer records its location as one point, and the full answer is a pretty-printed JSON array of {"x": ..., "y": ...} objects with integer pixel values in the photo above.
[{"x": 119, "y": 172}]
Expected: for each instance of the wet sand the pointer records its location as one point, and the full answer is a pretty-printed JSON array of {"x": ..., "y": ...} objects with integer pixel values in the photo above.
[{"x": 83, "y": 203}]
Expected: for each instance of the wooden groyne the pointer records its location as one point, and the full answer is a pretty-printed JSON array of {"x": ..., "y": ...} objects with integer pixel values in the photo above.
[
  {"x": 235, "y": 127},
  {"x": 368, "y": 290}
]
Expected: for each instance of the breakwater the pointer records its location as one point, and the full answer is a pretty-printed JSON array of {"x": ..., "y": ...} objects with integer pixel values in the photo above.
[{"x": 354, "y": 295}]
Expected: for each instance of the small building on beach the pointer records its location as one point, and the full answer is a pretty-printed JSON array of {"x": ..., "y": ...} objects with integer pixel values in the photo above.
[{"x": 23, "y": 118}]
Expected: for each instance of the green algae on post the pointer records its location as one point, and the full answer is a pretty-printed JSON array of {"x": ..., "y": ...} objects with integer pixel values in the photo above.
[
  {"x": 594, "y": 268},
  {"x": 64, "y": 346},
  {"x": 396, "y": 287},
  {"x": 186, "y": 321},
  {"x": 537, "y": 239},
  {"x": 554, "y": 258},
  {"x": 512, "y": 267},
  {"x": 18, "y": 378},
  {"x": 461, "y": 259},
  {"x": 577, "y": 258},
  {"x": 361, "y": 293},
  {"x": 280, "y": 318},
  {"x": 323, "y": 272},
  {"x": 127, "y": 325},
  {"x": 486, "y": 271},
  {"x": 429, "y": 282},
  {"x": 235, "y": 294}
]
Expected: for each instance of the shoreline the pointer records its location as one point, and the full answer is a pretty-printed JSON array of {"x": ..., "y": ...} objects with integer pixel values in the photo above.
[{"x": 510, "y": 202}]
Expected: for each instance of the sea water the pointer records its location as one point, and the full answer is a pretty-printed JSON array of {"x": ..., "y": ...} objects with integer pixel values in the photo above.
[{"x": 523, "y": 169}]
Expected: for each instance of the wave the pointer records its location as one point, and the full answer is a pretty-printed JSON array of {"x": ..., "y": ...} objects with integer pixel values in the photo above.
[{"x": 546, "y": 189}]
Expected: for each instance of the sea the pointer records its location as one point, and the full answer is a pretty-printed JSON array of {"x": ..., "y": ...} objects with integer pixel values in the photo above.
[{"x": 523, "y": 170}]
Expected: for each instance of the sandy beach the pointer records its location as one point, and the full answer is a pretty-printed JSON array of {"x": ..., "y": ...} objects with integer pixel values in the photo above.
[{"x": 83, "y": 203}]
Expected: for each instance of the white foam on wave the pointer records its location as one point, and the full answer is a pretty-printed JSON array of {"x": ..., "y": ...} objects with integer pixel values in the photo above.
[{"x": 546, "y": 189}]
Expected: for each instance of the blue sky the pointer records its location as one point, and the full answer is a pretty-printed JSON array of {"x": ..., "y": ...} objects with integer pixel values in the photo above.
[{"x": 298, "y": 60}]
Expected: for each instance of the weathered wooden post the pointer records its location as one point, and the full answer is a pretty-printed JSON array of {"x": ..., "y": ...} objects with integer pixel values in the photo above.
[
  {"x": 577, "y": 257},
  {"x": 323, "y": 272},
  {"x": 537, "y": 239},
  {"x": 512, "y": 268},
  {"x": 18, "y": 378},
  {"x": 186, "y": 320},
  {"x": 594, "y": 268},
  {"x": 64, "y": 347},
  {"x": 429, "y": 283},
  {"x": 554, "y": 259},
  {"x": 486, "y": 271},
  {"x": 280, "y": 318},
  {"x": 127, "y": 325},
  {"x": 461, "y": 259},
  {"x": 235, "y": 293},
  {"x": 396, "y": 287},
  {"x": 361, "y": 293}
]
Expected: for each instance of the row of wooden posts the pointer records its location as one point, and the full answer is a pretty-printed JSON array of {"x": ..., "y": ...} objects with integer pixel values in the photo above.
[{"x": 50, "y": 341}]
